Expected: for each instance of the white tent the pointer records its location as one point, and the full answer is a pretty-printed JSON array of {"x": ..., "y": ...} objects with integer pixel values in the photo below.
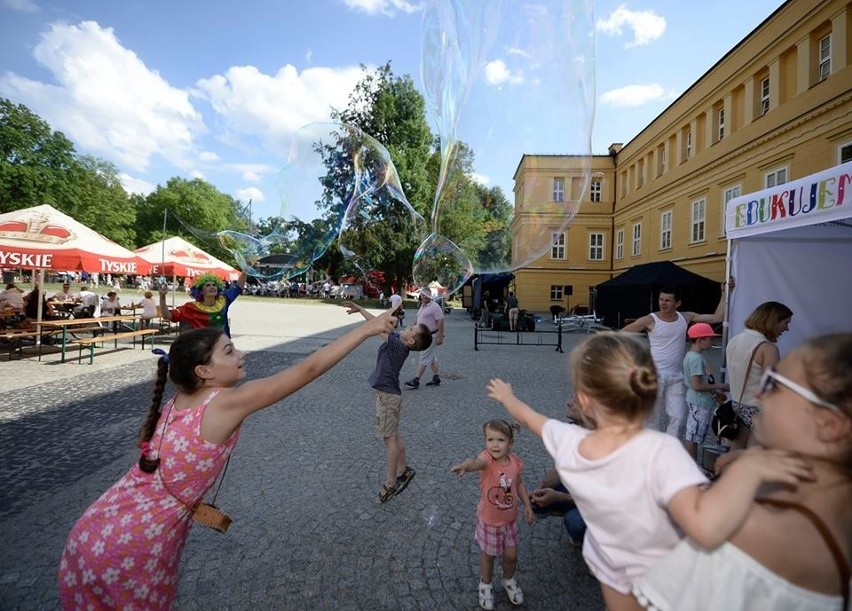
[{"x": 793, "y": 243}]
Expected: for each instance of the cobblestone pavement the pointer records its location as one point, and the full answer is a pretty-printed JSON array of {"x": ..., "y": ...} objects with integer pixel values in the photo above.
[{"x": 301, "y": 487}]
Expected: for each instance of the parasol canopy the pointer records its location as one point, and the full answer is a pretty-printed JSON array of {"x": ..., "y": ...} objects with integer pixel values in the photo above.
[{"x": 42, "y": 237}]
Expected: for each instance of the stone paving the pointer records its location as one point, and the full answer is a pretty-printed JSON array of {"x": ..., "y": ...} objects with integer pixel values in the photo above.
[{"x": 301, "y": 487}]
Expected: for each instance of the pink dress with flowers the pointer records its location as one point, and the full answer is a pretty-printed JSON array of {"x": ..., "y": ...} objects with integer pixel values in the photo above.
[{"x": 124, "y": 552}]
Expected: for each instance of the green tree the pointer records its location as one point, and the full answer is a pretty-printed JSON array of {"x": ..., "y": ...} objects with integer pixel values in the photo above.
[
  {"x": 391, "y": 110},
  {"x": 96, "y": 198},
  {"x": 381, "y": 233},
  {"x": 35, "y": 161},
  {"x": 189, "y": 207}
]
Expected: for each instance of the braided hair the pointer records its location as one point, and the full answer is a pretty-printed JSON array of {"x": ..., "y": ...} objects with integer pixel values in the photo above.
[{"x": 187, "y": 352}]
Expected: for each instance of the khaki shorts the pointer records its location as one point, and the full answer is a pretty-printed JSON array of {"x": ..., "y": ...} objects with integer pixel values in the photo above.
[
  {"x": 430, "y": 355},
  {"x": 388, "y": 413}
]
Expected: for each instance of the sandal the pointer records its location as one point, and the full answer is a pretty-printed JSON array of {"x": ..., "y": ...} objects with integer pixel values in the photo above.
[
  {"x": 387, "y": 493},
  {"x": 486, "y": 596},
  {"x": 404, "y": 479},
  {"x": 513, "y": 590}
]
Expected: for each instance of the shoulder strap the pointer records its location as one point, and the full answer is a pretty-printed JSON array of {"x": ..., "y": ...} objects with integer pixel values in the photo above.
[
  {"x": 825, "y": 533},
  {"x": 748, "y": 370}
]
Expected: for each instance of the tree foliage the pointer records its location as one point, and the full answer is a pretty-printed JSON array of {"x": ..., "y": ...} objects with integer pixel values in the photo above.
[
  {"x": 193, "y": 209},
  {"x": 35, "y": 161}
]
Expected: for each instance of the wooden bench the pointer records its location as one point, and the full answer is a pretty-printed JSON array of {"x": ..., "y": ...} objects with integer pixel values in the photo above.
[
  {"x": 16, "y": 340},
  {"x": 90, "y": 342}
]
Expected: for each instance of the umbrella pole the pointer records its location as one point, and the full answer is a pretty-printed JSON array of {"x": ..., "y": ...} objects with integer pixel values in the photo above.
[{"x": 37, "y": 283}]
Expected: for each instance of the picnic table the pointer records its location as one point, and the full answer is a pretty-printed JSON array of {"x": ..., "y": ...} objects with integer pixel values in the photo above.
[{"x": 79, "y": 324}]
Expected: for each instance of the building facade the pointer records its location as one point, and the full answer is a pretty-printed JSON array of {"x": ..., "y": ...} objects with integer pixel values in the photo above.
[{"x": 777, "y": 107}]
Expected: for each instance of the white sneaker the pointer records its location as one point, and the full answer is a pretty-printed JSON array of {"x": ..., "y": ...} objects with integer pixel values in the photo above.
[
  {"x": 513, "y": 590},
  {"x": 486, "y": 596}
]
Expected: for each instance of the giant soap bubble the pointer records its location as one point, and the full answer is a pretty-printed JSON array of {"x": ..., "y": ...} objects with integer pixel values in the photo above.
[
  {"x": 513, "y": 82},
  {"x": 345, "y": 181}
]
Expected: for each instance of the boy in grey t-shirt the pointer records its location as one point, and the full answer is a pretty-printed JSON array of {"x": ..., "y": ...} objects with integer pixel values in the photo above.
[{"x": 385, "y": 380}]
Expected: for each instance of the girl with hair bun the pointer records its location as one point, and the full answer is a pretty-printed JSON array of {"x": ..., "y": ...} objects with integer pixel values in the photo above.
[{"x": 638, "y": 489}]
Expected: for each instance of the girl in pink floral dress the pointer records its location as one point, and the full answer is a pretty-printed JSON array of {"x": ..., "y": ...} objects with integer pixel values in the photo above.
[{"x": 124, "y": 552}]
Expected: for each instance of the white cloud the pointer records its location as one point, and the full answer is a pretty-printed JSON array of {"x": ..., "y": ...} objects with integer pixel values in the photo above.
[
  {"x": 382, "y": 7},
  {"x": 520, "y": 52},
  {"x": 273, "y": 107},
  {"x": 106, "y": 100},
  {"x": 22, "y": 6},
  {"x": 636, "y": 95},
  {"x": 647, "y": 26},
  {"x": 479, "y": 179},
  {"x": 136, "y": 185},
  {"x": 208, "y": 157},
  {"x": 252, "y": 171},
  {"x": 497, "y": 73},
  {"x": 250, "y": 193}
]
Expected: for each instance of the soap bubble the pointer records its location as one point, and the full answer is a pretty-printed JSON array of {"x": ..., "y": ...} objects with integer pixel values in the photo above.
[
  {"x": 346, "y": 178},
  {"x": 513, "y": 82},
  {"x": 431, "y": 516},
  {"x": 379, "y": 219}
]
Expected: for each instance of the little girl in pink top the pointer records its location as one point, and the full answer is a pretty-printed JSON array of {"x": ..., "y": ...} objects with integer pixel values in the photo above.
[{"x": 501, "y": 487}]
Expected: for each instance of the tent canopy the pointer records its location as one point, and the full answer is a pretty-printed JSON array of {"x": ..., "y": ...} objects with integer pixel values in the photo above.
[
  {"x": 635, "y": 292},
  {"x": 793, "y": 243},
  {"x": 42, "y": 237},
  {"x": 177, "y": 257}
]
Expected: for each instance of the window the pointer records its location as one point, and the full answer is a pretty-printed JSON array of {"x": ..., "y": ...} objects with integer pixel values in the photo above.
[
  {"x": 556, "y": 292},
  {"x": 721, "y": 124},
  {"x": 661, "y": 159},
  {"x": 698, "y": 211},
  {"x": 595, "y": 190},
  {"x": 559, "y": 189},
  {"x": 845, "y": 153},
  {"x": 619, "y": 244},
  {"x": 824, "y": 57},
  {"x": 727, "y": 196},
  {"x": 640, "y": 173},
  {"x": 776, "y": 177},
  {"x": 764, "y": 96},
  {"x": 596, "y": 244},
  {"x": 637, "y": 239},
  {"x": 557, "y": 249},
  {"x": 666, "y": 230},
  {"x": 689, "y": 144}
]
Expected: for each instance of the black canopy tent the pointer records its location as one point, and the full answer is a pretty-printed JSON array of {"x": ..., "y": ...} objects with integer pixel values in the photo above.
[
  {"x": 635, "y": 292},
  {"x": 474, "y": 290}
]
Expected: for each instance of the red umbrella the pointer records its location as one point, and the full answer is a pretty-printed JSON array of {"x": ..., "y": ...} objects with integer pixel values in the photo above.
[
  {"x": 42, "y": 237},
  {"x": 177, "y": 257}
]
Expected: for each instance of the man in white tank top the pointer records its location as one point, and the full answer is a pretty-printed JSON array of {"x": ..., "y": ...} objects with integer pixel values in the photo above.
[{"x": 667, "y": 335}]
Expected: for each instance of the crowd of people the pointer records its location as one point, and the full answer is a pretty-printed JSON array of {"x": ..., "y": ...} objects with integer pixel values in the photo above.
[{"x": 656, "y": 530}]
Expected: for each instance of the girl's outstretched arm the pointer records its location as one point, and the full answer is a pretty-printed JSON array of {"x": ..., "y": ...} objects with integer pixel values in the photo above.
[
  {"x": 233, "y": 405},
  {"x": 471, "y": 464},
  {"x": 501, "y": 392},
  {"x": 710, "y": 516}
]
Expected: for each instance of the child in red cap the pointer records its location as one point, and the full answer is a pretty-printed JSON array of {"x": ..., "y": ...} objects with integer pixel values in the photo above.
[{"x": 700, "y": 387}]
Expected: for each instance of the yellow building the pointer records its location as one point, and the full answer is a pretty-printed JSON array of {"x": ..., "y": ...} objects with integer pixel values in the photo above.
[{"x": 775, "y": 108}]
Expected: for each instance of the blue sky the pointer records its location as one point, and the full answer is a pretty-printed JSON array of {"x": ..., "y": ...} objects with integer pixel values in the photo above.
[{"x": 214, "y": 90}]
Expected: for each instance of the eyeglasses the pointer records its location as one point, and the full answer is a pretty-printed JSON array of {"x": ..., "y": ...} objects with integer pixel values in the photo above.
[{"x": 771, "y": 378}]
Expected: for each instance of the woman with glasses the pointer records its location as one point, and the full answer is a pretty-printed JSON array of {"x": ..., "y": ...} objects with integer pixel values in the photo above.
[
  {"x": 793, "y": 551},
  {"x": 748, "y": 355}
]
